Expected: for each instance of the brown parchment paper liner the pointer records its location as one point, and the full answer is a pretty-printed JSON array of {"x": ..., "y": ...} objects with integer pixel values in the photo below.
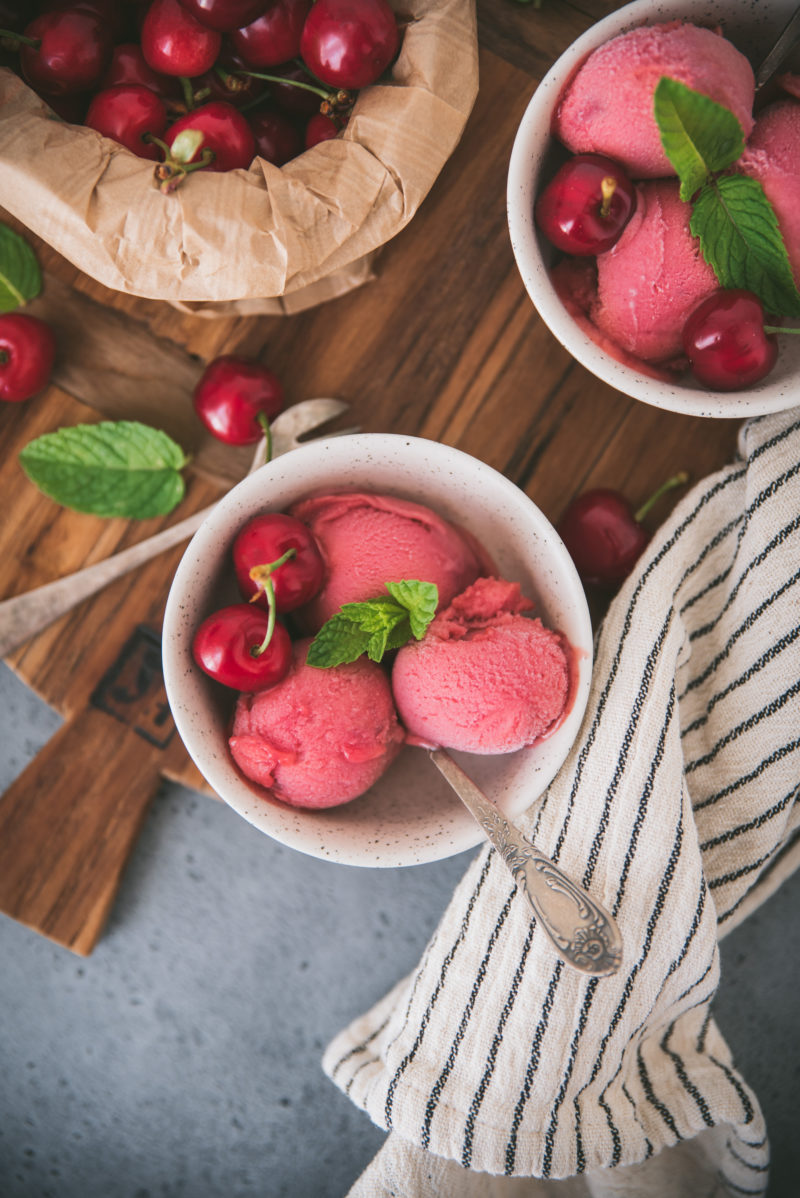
[{"x": 259, "y": 234}]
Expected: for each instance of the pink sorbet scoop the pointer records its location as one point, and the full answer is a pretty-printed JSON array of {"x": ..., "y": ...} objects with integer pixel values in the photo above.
[
  {"x": 485, "y": 678},
  {"x": 318, "y": 738},
  {"x": 367, "y": 540},
  {"x": 607, "y": 107},
  {"x": 773, "y": 157}
]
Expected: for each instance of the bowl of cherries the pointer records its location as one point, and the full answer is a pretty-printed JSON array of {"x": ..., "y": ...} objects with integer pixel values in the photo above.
[
  {"x": 651, "y": 207},
  {"x": 277, "y": 120}
]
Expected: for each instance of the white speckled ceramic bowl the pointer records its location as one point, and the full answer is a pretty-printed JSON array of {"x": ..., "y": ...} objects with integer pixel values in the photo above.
[
  {"x": 410, "y": 816},
  {"x": 752, "y": 25}
]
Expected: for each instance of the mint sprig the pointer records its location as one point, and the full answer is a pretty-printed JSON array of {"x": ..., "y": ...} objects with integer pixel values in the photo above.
[
  {"x": 376, "y": 625},
  {"x": 114, "y": 468},
  {"x": 20, "y": 276},
  {"x": 731, "y": 216}
]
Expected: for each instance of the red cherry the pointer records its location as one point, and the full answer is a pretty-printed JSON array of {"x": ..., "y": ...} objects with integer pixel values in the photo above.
[
  {"x": 74, "y": 47},
  {"x": 320, "y": 128},
  {"x": 236, "y": 397},
  {"x": 275, "y": 37},
  {"x": 349, "y": 43},
  {"x": 277, "y": 137},
  {"x": 127, "y": 113},
  {"x": 128, "y": 66},
  {"x": 109, "y": 12},
  {"x": 225, "y": 132},
  {"x": 295, "y": 100},
  {"x": 726, "y": 342},
  {"x": 603, "y": 534},
  {"x": 260, "y": 552},
  {"x": 225, "y": 15},
  {"x": 174, "y": 43},
  {"x": 240, "y": 647},
  {"x": 27, "y": 353},
  {"x": 586, "y": 205}
]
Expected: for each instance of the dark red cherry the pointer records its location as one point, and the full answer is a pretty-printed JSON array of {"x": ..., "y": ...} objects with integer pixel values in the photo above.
[
  {"x": 283, "y": 549},
  {"x": 273, "y": 38},
  {"x": 240, "y": 647},
  {"x": 726, "y": 342},
  {"x": 349, "y": 43},
  {"x": 278, "y": 139},
  {"x": 224, "y": 131},
  {"x": 174, "y": 43},
  {"x": 74, "y": 48},
  {"x": 225, "y": 15},
  {"x": 127, "y": 113},
  {"x": 586, "y": 205},
  {"x": 320, "y": 128}
]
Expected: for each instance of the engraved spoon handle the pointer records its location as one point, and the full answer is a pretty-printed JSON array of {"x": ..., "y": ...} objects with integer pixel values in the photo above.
[{"x": 584, "y": 934}]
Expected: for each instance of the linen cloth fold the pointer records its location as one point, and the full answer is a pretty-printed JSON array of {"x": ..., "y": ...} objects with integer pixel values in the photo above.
[{"x": 677, "y": 809}]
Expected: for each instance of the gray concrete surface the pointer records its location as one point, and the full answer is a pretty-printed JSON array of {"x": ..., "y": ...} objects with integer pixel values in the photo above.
[{"x": 181, "y": 1059}]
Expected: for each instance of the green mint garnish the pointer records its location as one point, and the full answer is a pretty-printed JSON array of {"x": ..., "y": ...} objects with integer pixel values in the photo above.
[
  {"x": 731, "y": 216},
  {"x": 114, "y": 468},
  {"x": 699, "y": 136},
  {"x": 376, "y": 625},
  {"x": 740, "y": 239},
  {"x": 20, "y": 277}
]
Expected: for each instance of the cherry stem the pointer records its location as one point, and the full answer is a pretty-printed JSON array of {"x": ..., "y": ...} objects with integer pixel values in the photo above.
[
  {"x": 20, "y": 40},
  {"x": 269, "y": 591},
  {"x": 607, "y": 188},
  {"x": 263, "y": 420},
  {"x": 778, "y": 328},
  {"x": 332, "y": 97},
  {"x": 677, "y": 480},
  {"x": 188, "y": 92}
]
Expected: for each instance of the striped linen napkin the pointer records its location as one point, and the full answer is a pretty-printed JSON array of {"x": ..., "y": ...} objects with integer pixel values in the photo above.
[{"x": 676, "y": 808}]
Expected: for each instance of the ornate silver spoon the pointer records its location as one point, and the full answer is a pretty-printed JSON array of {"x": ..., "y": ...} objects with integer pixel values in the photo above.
[{"x": 584, "y": 934}]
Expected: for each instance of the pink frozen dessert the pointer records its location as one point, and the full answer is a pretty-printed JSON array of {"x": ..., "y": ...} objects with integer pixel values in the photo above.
[
  {"x": 607, "y": 107},
  {"x": 318, "y": 738},
  {"x": 773, "y": 157},
  {"x": 485, "y": 678},
  {"x": 367, "y": 540}
]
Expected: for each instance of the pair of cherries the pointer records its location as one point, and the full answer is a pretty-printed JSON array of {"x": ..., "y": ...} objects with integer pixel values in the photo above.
[{"x": 584, "y": 210}]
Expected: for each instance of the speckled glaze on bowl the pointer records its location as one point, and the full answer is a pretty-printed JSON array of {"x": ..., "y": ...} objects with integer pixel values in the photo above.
[
  {"x": 410, "y": 816},
  {"x": 752, "y": 25}
]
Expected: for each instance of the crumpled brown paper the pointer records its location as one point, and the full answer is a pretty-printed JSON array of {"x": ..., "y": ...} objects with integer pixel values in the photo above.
[{"x": 265, "y": 240}]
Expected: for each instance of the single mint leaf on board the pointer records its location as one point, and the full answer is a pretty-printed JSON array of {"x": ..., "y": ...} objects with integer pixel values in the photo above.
[
  {"x": 114, "y": 468},
  {"x": 699, "y": 136},
  {"x": 20, "y": 277},
  {"x": 421, "y": 600},
  {"x": 376, "y": 625},
  {"x": 338, "y": 641},
  {"x": 741, "y": 241}
]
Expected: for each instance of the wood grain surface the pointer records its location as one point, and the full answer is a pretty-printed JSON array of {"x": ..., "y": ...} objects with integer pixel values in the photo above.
[{"x": 444, "y": 343}]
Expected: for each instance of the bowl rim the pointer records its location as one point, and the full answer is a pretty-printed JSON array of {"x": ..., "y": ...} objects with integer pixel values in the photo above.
[
  {"x": 292, "y": 827},
  {"x": 527, "y": 154}
]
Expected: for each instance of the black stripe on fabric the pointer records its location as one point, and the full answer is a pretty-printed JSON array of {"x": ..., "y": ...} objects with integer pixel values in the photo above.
[
  {"x": 655, "y": 914},
  {"x": 673, "y": 967},
  {"x": 371, "y": 1060},
  {"x": 744, "y": 627},
  {"x": 717, "y": 580},
  {"x": 758, "y": 822},
  {"x": 665, "y": 549},
  {"x": 776, "y": 755},
  {"x": 771, "y": 653},
  {"x": 747, "y": 1106},
  {"x": 491, "y": 1060},
  {"x": 627, "y": 741},
  {"x": 650, "y": 1095},
  {"x": 412, "y": 1052},
  {"x": 747, "y": 725},
  {"x": 777, "y": 857},
  {"x": 682, "y": 1074},
  {"x": 737, "y": 1189},
  {"x": 725, "y": 879},
  {"x": 701, "y": 1039},
  {"x": 760, "y": 1168},
  {"x": 533, "y": 1065},
  {"x": 357, "y": 1048},
  {"x": 441, "y": 1081},
  {"x": 782, "y": 535},
  {"x": 648, "y": 1146}
]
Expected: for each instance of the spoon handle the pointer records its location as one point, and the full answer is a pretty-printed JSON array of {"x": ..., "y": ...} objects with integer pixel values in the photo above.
[{"x": 584, "y": 934}]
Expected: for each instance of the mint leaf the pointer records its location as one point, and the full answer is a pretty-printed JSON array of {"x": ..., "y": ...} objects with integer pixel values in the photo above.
[
  {"x": 20, "y": 277},
  {"x": 741, "y": 241},
  {"x": 114, "y": 468},
  {"x": 376, "y": 625},
  {"x": 699, "y": 136},
  {"x": 420, "y": 598}
]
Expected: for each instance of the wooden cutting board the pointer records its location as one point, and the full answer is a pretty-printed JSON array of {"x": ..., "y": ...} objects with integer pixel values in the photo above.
[{"x": 444, "y": 344}]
